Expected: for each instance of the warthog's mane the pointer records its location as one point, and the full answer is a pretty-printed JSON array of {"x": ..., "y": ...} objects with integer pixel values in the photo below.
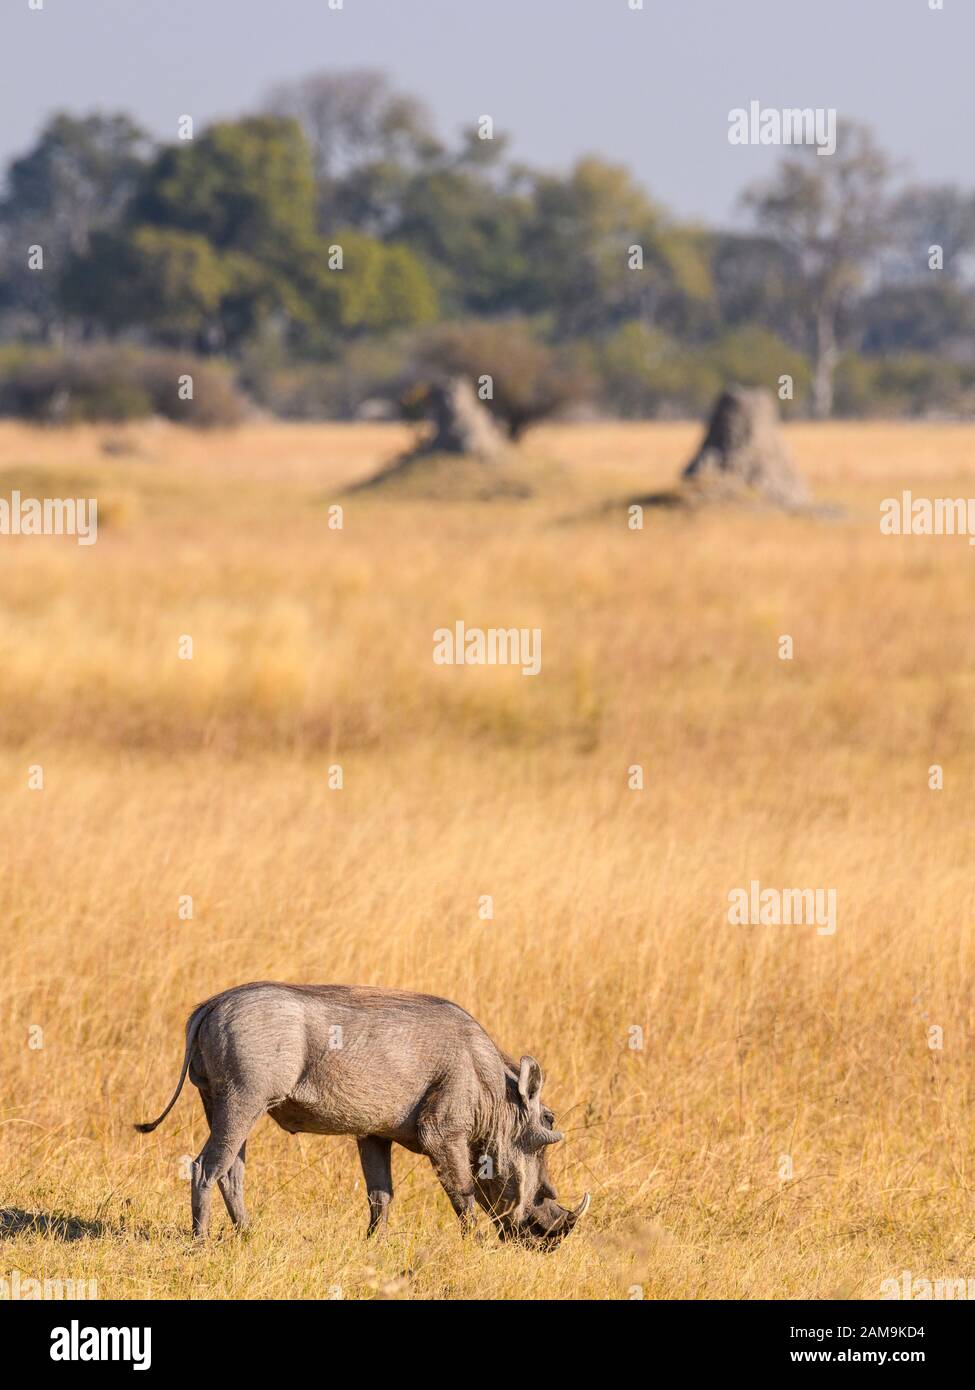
[{"x": 500, "y": 1121}]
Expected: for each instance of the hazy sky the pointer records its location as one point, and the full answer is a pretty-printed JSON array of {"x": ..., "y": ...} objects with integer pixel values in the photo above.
[{"x": 650, "y": 88}]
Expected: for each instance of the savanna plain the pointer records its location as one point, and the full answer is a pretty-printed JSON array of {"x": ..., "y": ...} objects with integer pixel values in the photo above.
[{"x": 757, "y": 1110}]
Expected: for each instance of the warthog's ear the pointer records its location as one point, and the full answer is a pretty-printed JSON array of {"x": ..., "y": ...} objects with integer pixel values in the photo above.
[
  {"x": 529, "y": 1080},
  {"x": 538, "y": 1119}
]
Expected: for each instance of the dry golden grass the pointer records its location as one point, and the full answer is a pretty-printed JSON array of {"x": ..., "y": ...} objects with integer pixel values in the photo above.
[{"x": 164, "y": 777}]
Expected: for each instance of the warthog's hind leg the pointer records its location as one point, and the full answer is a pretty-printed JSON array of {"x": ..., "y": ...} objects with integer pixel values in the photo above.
[
  {"x": 221, "y": 1161},
  {"x": 232, "y": 1191},
  {"x": 375, "y": 1155}
]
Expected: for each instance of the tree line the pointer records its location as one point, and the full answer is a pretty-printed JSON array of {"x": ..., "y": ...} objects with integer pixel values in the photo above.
[{"x": 332, "y": 244}]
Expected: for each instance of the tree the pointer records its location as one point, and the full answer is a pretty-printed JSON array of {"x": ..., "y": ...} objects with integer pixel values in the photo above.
[
  {"x": 365, "y": 138},
  {"x": 754, "y": 283},
  {"x": 471, "y": 234},
  {"x": 379, "y": 287},
  {"x": 77, "y": 178},
  {"x": 353, "y": 118},
  {"x": 923, "y": 218},
  {"x": 579, "y": 252},
  {"x": 246, "y": 186},
  {"x": 936, "y": 316},
  {"x": 245, "y": 190},
  {"x": 220, "y": 239},
  {"x": 831, "y": 215},
  {"x": 167, "y": 282}
]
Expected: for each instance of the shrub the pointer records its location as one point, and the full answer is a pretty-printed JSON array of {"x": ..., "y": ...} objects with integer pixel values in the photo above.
[
  {"x": 910, "y": 384},
  {"x": 531, "y": 380},
  {"x": 752, "y": 356},
  {"x": 367, "y": 369},
  {"x": 55, "y": 387},
  {"x": 643, "y": 372}
]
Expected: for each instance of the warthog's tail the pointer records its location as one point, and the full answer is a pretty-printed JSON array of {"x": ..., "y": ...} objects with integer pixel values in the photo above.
[{"x": 192, "y": 1028}]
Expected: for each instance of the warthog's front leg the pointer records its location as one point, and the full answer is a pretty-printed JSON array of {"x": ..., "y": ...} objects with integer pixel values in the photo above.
[
  {"x": 375, "y": 1155},
  {"x": 451, "y": 1161}
]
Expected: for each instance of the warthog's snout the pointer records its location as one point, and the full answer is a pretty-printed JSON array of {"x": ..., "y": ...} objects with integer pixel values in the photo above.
[{"x": 546, "y": 1224}]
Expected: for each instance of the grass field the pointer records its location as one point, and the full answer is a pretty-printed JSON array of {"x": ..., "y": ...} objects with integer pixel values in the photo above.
[{"x": 313, "y": 647}]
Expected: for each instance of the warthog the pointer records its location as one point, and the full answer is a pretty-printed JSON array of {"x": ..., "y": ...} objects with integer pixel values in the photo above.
[{"x": 387, "y": 1067}]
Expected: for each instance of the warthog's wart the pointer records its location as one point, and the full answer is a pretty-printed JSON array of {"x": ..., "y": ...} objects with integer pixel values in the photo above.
[
  {"x": 497, "y": 646},
  {"x": 386, "y": 1067},
  {"x": 50, "y": 516}
]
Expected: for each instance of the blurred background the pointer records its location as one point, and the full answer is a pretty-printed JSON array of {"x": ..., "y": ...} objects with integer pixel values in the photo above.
[{"x": 359, "y": 128}]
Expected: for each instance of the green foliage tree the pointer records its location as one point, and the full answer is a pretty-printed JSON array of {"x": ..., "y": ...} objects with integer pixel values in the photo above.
[
  {"x": 378, "y": 288},
  {"x": 169, "y": 282},
  {"x": 221, "y": 239},
  {"x": 578, "y": 250},
  {"x": 247, "y": 186},
  {"x": 471, "y": 234}
]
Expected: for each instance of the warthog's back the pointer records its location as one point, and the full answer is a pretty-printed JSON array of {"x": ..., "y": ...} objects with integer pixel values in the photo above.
[{"x": 337, "y": 1059}]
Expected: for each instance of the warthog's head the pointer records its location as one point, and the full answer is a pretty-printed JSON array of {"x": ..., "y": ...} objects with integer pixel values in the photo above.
[{"x": 512, "y": 1184}]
